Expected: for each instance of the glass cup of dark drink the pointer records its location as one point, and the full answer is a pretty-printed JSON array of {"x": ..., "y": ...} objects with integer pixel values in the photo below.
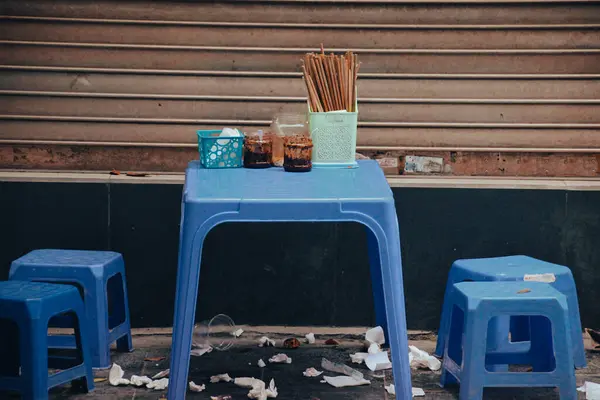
[
  {"x": 258, "y": 150},
  {"x": 297, "y": 153}
]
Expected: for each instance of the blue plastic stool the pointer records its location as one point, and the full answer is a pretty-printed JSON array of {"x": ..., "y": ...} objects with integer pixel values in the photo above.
[
  {"x": 105, "y": 299},
  {"x": 466, "y": 355},
  {"x": 514, "y": 268},
  {"x": 215, "y": 196},
  {"x": 24, "y": 366}
]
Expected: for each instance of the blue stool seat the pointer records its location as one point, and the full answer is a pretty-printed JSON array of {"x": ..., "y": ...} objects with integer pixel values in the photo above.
[
  {"x": 467, "y": 357},
  {"x": 29, "y": 306},
  {"x": 100, "y": 275},
  {"x": 514, "y": 268}
]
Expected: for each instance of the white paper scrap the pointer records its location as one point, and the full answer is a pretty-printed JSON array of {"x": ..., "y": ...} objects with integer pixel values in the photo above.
[
  {"x": 280, "y": 358},
  {"x": 160, "y": 384},
  {"x": 257, "y": 388},
  {"x": 391, "y": 389},
  {"x": 311, "y": 372},
  {"x": 310, "y": 338},
  {"x": 196, "y": 388},
  {"x": 200, "y": 351},
  {"x": 358, "y": 358},
  {"x": 378, "y": 361},
  {"x": 546, "y": 278},
  {"x": 344, "y": 381},
  {"x": 261, "y": 363},
  {"x": 237, "y": 333},
  {"x": 266, "y": 342},
  {"x": 591, "y": 390},
  {"x": 115, "y": 376},
  {"x": 220, "y": 378},
  {"x": 162, "y": 374},
  {"x": 418, "y": 392},
  {"x": 421, "y": 359},
  {"x": 375, "y": 335},
  {"x": 139, "y": 380}
]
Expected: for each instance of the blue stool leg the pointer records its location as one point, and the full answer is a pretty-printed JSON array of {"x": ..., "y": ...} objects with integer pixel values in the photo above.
[
  {"x": 575, "y": 322},
  {"x": 542, "y": 346},
  {"x": 376, "y": 283},
  {"x": 83, "y": 344},
  {"x": 393, "y": 289},
  {"x": 188, "y": 274},
  {"x": 124, "y": 343},
  {"x": 97, "y": 316},
  {"x": 563, "y": 352},
  {"x": 519, "y": 328},
  {"x": 34, "y": 359},
  {"x": 453, "y": 342},
  {"x": 445, "y": 321},
  {"x": 474, "y": 350}
]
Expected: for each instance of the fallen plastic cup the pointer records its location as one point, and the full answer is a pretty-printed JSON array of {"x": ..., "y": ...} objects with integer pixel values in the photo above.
[{"x": 217, "y": 332}]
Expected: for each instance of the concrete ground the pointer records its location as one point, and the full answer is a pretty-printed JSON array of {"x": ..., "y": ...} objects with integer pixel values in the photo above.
[{"x": 241, "y": 361}]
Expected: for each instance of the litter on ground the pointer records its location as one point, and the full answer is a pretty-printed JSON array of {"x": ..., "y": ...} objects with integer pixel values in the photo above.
[
  {"x": 280, "y": 358},
  {"x": 358, "y": 358},
  {"x": 345, "y": 381},
  {"x": 310, "y": 338},
  {"x": 341, "y": 369},
  {"x": 261, "y": 363},
  {"x": 160, "y": 384},
  {"x": 139, "y": 380},
  {"x": 311, "y": 372},
  {"x": 237, "y": 333},
  {"x": 220, "y": 378},
  {"x": 162, "y": 374},
  {"x": 196, "y": 388},
  {"x": 258, "y": 389},
  {"x": 421, "y": 359},
  {"x": 266, "y": 342},
  {"x": 591, "y": 390},
  {"x": 115, "y": 376},
  {"x": 375, "y": 335},
  {"x": 378, "y": 361},
  {"x": 200, "y": 351}
]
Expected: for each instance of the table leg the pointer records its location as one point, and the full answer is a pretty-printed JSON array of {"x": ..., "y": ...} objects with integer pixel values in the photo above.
[
  {"x": 388, "y": 239},
  {"x": 376, "y": 282},
  {"x": 188, "y": 274}
]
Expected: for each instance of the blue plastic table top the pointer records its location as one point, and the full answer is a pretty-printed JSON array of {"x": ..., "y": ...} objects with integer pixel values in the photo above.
[
  {"x": 364, "y": 183},
  {"x": 72, "y": 258},
  {"x": 510, "y": 266}
]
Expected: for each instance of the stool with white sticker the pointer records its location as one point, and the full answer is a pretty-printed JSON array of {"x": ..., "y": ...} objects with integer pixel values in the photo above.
[{"x": 516, "y": 328}]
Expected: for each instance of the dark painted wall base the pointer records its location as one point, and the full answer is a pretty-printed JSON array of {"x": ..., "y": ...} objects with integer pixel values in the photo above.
[{"x": 303, "y": 274}]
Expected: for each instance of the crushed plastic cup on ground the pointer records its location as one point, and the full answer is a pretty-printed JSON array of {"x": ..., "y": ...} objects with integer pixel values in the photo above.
[
  {"x": 375, "y": 335},
  {"x": 196, "y": 388},
  {"x": 266, "y": 342},
  {"x": 280, "y": 358},
  {"x": 160, "y": 384},
  {"x": 220, "y": 378},
  {"x": 139, "y": 380},
  {"x": 344, "y": 381},
  {"x": 374, "y": 348},
  {"x": 261, "y": 363},
  {"x": 358, "y": 358},
  {"x": 378, "y": 361},
  {"x": 311, "y": 372},
  {"x": 421, "y": 359},
  {"x": 216, "y": 333},
  {"x": 591, "y": 390},
  {"x": 115, "y": 376},
  {"x": 310, "y": 338},
  {"x": 162, "y": 374},
  {"x": 341, "y": 369}
]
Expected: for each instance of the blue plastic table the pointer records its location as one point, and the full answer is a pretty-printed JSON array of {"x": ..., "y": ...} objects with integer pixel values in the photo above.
[{"x": 212, "y": 197}]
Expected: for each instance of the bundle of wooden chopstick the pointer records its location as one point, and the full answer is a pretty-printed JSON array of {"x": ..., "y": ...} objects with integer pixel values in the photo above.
[{"x": 330, "y": 81}]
